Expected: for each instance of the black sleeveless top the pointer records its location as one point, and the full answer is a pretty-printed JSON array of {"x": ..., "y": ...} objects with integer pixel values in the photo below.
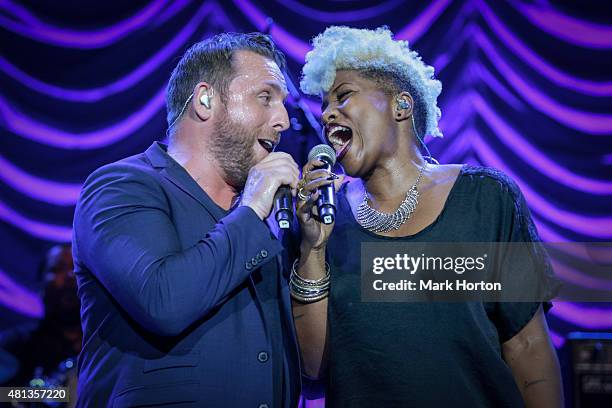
[{"x": 427, "y": 354}]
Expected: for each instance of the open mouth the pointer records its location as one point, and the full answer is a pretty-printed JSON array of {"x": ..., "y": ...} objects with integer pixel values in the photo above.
[
  {"x": 268, "y": 145},
  {"x": 339, "y": 138}
]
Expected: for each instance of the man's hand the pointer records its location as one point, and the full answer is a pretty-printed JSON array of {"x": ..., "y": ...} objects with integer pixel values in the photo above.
[{"x": 264, "y": 179}]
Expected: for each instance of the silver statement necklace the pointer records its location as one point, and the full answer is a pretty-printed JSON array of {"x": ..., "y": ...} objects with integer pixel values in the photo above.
[{"x": 376, "y": 221}]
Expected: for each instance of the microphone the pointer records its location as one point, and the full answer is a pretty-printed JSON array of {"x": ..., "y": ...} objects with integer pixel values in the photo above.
[
  {"x": 326, "y": 203},
  {"x": 283, "y": 207}
]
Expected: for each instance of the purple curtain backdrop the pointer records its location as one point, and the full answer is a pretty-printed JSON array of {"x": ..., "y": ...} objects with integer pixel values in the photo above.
[{"x": 527, "y": 88}]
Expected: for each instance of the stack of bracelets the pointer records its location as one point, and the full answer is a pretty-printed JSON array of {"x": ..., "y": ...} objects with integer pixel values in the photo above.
[{"x": 308, "y": 290}]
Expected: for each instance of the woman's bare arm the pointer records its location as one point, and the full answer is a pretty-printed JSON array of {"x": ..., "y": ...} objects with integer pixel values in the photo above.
[{"x": 533, "y": 361}]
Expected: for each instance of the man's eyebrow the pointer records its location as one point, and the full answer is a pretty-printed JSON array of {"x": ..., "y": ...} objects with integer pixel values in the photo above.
[{"x": 277, "y": 86}]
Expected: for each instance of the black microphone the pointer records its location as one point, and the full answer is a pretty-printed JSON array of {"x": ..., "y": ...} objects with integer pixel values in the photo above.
[
  {"x": 326, "y": 203},
  {"x": 283, "y": 207}
]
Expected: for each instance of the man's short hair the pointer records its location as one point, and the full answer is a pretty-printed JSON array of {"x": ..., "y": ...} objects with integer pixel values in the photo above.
[{"x": 210, "y": 60}]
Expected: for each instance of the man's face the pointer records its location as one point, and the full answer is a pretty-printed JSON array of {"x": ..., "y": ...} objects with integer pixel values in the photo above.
[{"x": 249, "y": 126}]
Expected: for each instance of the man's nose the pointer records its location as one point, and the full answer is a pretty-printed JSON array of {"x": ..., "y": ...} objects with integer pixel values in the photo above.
[{"x": 281, "y": 119}]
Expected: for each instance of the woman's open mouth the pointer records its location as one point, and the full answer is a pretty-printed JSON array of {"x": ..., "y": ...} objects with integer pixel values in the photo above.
[{"x": 339, "y": 137}]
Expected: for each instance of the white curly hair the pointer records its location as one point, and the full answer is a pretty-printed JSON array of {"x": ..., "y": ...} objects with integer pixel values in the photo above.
[{"x": 374, "y": 52}]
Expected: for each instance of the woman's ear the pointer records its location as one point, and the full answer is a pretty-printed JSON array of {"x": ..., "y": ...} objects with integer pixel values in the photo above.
[{"x": 403, "y": 105}]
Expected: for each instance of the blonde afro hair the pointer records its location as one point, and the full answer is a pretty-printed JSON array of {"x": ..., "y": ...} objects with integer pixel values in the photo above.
[{"x": 378, "y": 56}]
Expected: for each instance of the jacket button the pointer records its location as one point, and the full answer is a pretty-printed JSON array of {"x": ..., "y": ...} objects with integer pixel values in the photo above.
[
  {"x": 263, "y": 405},
  {"x": 262, "y": 356},
  {"x": 263, "y": 253},
  {"x": 248, "y": 266},
  {"x": 254, "y": 261}
]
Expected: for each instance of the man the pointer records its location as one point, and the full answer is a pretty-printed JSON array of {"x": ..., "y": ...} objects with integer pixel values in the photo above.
[{"x": 183, "y": 299}]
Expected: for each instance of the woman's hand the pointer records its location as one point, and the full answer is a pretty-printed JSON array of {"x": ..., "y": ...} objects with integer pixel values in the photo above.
[{"x": 314, "y": 233}]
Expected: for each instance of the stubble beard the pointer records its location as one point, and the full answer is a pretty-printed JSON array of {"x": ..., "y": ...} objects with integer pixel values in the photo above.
[{"x": 232, "y": 147}]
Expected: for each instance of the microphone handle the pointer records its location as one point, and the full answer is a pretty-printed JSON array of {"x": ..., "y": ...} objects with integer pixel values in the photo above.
[
  {"x": 326, "y": 203},
  {"x": 283, "y": 207}
]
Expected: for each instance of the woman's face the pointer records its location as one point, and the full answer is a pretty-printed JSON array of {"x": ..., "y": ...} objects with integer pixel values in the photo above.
[{"x": 359, "y": 122}]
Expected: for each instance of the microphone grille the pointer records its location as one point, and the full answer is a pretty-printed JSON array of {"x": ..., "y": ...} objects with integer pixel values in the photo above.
[{"x": 326, "y": 151}]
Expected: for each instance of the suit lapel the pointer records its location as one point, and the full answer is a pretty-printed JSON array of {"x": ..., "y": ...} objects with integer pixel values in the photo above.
[{"x": 178, "y": 176}]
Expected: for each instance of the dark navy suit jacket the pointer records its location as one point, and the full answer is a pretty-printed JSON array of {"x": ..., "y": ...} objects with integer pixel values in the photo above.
[{"x": 169, "y": 296}]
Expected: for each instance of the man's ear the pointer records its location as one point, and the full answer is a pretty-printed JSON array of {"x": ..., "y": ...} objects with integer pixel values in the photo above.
[
  {"x": 203, "y": 100},
  {"x": 402, "y": 106}
]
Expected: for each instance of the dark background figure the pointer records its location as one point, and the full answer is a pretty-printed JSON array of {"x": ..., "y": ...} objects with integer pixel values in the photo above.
[
  {"x": 529, "y": 83},
  {"x": 40, "y": 352}
]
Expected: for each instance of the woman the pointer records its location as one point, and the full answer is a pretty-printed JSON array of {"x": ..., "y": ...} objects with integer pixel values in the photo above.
[{"x": 378, "y": 101}]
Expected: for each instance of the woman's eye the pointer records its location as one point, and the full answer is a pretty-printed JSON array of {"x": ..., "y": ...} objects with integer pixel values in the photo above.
[{"x": 342, "y": 96}]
